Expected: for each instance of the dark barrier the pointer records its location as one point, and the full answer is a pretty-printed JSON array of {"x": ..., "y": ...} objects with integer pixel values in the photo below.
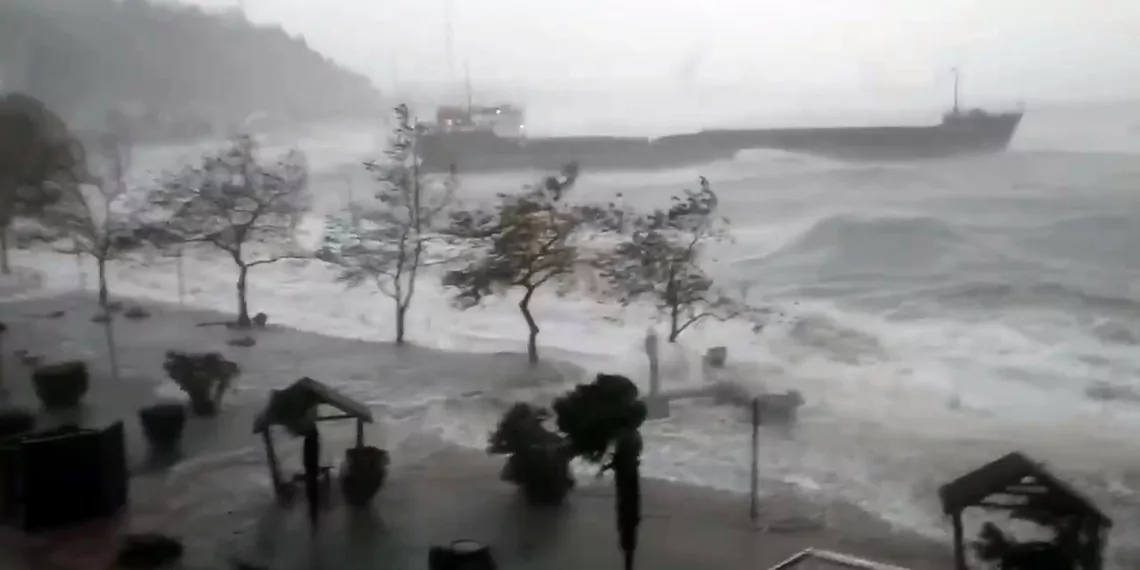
[{"x": 72, "y": 476}]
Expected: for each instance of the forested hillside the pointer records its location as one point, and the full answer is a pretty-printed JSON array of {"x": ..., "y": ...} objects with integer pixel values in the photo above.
[{"x": 179, "y": 71}]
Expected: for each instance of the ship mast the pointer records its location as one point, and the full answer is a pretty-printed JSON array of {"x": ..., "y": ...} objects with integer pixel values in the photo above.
[
  {"x": 957, "y": 77},
  {"x": 449, "y": 38},
  {"x": 467, "y": 84}
]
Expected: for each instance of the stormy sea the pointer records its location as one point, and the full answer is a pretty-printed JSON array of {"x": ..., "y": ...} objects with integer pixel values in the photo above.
[{"x": 935, "y": 315}]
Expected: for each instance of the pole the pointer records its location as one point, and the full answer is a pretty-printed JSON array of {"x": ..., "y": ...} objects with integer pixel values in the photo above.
[
  {"x": 754, "y": 506},
  {"x": 181, "y": 275}
]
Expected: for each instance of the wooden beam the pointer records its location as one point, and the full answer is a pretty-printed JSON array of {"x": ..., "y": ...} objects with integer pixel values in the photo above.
[
  {"x": 336, "y": 417},
  {"x": 1029, "y": 489}
]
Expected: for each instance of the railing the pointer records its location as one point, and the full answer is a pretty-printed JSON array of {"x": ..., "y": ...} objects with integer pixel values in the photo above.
[{"x": 834, "y": 559}]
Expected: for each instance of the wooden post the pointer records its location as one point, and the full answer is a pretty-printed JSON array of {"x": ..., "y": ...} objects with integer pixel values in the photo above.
[
  {"x": 359, "y": 433},
  {"x": 754, "y": 507},
  {"x": 271, "y": 454},
  {"x": 959, "y": 542}
]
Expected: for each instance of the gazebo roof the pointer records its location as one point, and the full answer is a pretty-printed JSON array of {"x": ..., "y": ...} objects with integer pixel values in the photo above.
[
  {"x": 323, "y": 394},
  {"x": 1012, "y": 474}
]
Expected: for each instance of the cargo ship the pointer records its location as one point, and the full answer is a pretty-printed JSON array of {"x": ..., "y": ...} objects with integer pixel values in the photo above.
[{"x": 490, "y": 138}]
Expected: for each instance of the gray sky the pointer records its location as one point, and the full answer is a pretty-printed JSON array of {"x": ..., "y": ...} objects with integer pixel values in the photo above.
[{"x": 784, "y": 52}]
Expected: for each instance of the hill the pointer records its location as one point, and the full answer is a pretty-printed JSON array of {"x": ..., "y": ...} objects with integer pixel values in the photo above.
[{"x": 179, "y": 71}]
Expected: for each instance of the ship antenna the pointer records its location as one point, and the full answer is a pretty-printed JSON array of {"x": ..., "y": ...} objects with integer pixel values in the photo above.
[
  {"x": 957, "y": 76},
  {"x": 467, "y": 81},
  {"x": 449, "y": 37}
]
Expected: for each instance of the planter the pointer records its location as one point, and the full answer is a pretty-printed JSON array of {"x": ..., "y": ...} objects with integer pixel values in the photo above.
[
  {"x": 16, "y": 421},
  {"x": 716, "y": 357},
  {"x": 364, "y": 473},
  {"x": 543, "y": 474},
  {"x": 61, "y": 386},
  {"x": 162, "y": 424},
  {"x": 203, "y": 406},
  {"x": 461, "y": 555}
]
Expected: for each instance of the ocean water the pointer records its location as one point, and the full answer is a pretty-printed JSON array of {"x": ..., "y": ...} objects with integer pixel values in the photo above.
[{"x": 934, "y": 315}]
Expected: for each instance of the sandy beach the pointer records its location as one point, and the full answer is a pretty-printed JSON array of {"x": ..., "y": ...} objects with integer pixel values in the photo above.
[{"x": 218, "y": 499}]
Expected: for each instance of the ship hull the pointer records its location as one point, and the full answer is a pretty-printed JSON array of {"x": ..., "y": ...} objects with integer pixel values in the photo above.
[{"x": 487, "y": 152}]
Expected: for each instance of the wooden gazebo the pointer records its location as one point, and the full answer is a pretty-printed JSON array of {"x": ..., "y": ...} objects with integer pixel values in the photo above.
[
  {"x": 1023, "y": 488},
  {"x": 313, "y": 394}
]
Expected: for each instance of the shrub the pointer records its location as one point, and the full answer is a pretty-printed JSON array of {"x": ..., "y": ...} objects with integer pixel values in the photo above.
[
  {"x": 136, "y": 312},
  {"x": 538, "y": 460},
  {"x": 204, "y": 376},
  {"x": 162, "y": 424},
  {"x": 592, "y": 415},
  {"x": 62, "y": 385}
]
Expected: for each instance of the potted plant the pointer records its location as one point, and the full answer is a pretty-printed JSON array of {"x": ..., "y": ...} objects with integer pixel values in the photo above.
[
  {"x": 204, "y": 376},
  {"x": 365, "y": 470},
  {"x": 537, "y": 458},
  {"x": 16, "y": 421},
  {"x": 163, "y": 424},
  {"x": 61, "y": 386}
]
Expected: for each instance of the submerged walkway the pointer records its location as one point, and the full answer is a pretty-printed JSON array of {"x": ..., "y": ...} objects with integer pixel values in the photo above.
[{"x": 218, "y": 498}]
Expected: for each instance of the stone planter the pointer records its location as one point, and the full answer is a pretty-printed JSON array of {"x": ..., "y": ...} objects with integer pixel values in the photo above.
[
  {"x": 61, "y": 386},
  {"x": 16, "y": 421},
  {"x": 163, "y": 424},
  {"x": 365, "y": 470}
]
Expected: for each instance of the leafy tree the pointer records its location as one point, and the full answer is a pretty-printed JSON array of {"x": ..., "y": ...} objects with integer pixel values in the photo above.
[
  {"x": 99, "y": 217},
  {"x": 39, "y": 157},
  {"x": 241, "y": 205},
  {"x": 524, "y": 242},
  {"x": 661, "y": 259},
  {"x": 385, "y": 243}
]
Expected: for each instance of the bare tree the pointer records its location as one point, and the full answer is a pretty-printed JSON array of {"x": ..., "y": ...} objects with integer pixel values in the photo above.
[
  {"x": 39, "y": 156},
  {"x": 525, "y": 241},
  {"x": 99, "y": 218},
  {"x": 661, "y": 259},
  {"x": 241, "y": 205},
  {"x": 385, "y": 243}
]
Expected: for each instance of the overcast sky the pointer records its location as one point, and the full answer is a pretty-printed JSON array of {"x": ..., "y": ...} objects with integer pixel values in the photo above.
[{"x": 781, "y": 50}]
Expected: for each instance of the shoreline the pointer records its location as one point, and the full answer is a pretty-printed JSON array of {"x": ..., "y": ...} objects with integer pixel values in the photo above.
[{"x": 444, "y": 467}]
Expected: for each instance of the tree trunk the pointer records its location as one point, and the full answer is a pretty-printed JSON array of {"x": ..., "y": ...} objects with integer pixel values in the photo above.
[
  {"x": 401, "y": 313},
  {"x": 532, "y": 341},
  {"x": 243, "y": 320},
  {"x": 674, "y": 319},
  {"x": 103, "y": 294},
  {"x": 5, "y": 268}
]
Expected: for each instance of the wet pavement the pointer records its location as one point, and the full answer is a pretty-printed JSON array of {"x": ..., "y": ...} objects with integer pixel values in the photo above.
[{"x": 217, "y": 498}]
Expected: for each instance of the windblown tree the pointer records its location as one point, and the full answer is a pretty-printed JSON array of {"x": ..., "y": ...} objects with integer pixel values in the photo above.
[
  {"x": 98, "y": 218},
  {"x": 39, "y": 157},
  {"x": 385, "y": 243},
  {"x": 524, "y": 242},
  {"x": 240, "y": 204},
  {"x": 662, "y": 260}
]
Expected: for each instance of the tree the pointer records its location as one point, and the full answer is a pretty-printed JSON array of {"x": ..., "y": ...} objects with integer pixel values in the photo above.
[
  {"x": 240, "y": 205},
  {"x": 39, "y": 156},
  {"x": 661, "y": 259},
  {"x": 525, "y": 241},
  {"x": 386, "y": 243},
  {"x": 98, "y": 217}
]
